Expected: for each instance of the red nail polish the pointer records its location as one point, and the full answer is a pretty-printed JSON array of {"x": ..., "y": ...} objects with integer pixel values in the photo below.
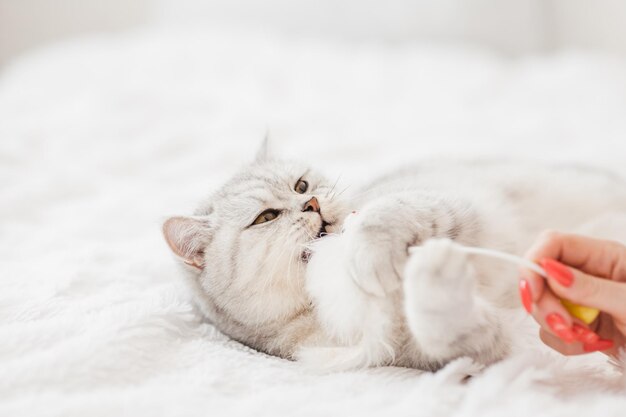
[
  {"x": 558, "y": 271},
  {"x": 602, "y": 344},
  {"x": 584, "y": 335},
  {"x": 560, "y": 328},
  {"x": 526, "y": 295}
]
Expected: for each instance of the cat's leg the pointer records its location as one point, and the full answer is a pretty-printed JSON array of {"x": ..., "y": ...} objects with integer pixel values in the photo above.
[{"x": 444, "y": 311}]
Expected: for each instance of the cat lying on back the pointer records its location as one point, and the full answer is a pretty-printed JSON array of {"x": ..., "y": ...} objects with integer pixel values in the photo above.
[{"x": 280, "y": 263}]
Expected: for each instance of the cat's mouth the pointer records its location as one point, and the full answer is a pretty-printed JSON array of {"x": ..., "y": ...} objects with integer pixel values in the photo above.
[
  {"x": 322, "y": 232},
  {"x": 305, "y": 256}
]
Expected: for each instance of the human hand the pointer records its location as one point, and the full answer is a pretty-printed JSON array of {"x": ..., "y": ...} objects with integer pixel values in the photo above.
[{"x": 588, "y": 272}]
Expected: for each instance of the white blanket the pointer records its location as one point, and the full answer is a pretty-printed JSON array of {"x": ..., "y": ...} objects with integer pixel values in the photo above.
[{"x": 102, "y": 138}]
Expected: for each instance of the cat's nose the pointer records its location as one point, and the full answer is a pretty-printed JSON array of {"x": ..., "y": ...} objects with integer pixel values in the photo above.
[{"x": 312, "y": 205}]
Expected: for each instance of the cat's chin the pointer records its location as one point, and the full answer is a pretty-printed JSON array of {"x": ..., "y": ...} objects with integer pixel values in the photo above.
[
  {"x": 323, "y": 230},
  {"x": 333, "y": 228}
]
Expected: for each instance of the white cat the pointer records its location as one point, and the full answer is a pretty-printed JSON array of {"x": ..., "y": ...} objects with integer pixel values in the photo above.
[{"x": 279, "y": 262}]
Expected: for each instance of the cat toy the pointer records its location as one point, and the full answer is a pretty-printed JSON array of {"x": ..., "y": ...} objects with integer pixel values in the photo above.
[{"x": 586, "y": 314}]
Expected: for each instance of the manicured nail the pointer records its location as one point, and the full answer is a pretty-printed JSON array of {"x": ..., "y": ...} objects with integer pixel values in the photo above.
[
  {"x": 584, "y": 335},
  {"x": 602, "y": 344},
  {"x": 526, "y": 295},
  {"x": 558, "y": 271},
  {"x": 560, "y": 327}
]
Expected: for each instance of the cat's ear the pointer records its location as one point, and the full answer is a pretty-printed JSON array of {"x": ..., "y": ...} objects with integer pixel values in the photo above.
[
  {"x": 263, "y": 153},
  {"x": 188, "y": 237}
]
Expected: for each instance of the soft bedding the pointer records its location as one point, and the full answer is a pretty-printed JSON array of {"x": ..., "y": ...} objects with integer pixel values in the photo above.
[{"x": 101, "y": 138}]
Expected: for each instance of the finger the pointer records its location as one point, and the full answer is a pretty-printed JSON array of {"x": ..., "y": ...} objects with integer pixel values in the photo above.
[
  {"x": 601, "y": 258},
  {"x": 568, "y": 349},
  {"x": 531, "y": 286},
  {"x": 554, "y": 318},
  {"x": 583, "y": 289}
]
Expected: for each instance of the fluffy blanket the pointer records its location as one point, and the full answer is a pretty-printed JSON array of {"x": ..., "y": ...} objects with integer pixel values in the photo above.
[{"x": 102, "y": 138}]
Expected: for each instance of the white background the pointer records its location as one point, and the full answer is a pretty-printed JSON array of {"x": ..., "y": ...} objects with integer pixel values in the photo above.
[
  {"x": 511, "y": 26},
  {"x": 103, "y": 137}
]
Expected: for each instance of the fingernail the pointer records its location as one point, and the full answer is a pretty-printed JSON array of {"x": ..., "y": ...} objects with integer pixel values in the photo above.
[
  {"x": 602, "y": 344},
  {"x": 526, "y": 295},
  {"x": 558, "y": 271},
  {"x": 584, "y": 335},
  {"x": 560, "y": 328}
]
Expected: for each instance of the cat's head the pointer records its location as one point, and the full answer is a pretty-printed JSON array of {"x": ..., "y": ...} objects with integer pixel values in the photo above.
[{"x": 247, "y": 243}]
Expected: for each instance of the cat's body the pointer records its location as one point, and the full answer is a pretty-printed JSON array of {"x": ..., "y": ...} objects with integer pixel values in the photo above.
[{"x": 362, "y": 298}]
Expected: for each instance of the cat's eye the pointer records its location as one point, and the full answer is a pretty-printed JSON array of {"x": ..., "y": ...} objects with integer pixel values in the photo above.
[
  {"x": 301, "y": 186},
  {"x": 266, "y": 216}
]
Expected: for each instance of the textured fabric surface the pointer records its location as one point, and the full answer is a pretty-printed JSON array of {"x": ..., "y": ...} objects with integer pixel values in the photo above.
[{"x": 102, "y": 138}]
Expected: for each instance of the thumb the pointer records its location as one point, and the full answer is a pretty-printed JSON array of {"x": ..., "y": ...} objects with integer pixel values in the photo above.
[{"x": 580, "y": 288}]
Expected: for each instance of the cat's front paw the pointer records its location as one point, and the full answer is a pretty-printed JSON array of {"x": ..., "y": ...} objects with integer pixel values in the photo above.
[
  {"x": 439, "y": 274},
  {"x": 444, "y": 312},
  {"x": 377, "y": 257}
]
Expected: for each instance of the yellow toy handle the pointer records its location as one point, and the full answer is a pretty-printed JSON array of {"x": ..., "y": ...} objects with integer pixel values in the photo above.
[{"x": 586, "y": 314}]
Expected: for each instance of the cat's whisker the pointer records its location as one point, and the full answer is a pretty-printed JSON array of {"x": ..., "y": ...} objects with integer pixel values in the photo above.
[
  {"x": 309, "y": 234},
  {"x": 360, "y": 195},
  {"x": 343, "y": 191},
  {"x": 334, "y": 185}
]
